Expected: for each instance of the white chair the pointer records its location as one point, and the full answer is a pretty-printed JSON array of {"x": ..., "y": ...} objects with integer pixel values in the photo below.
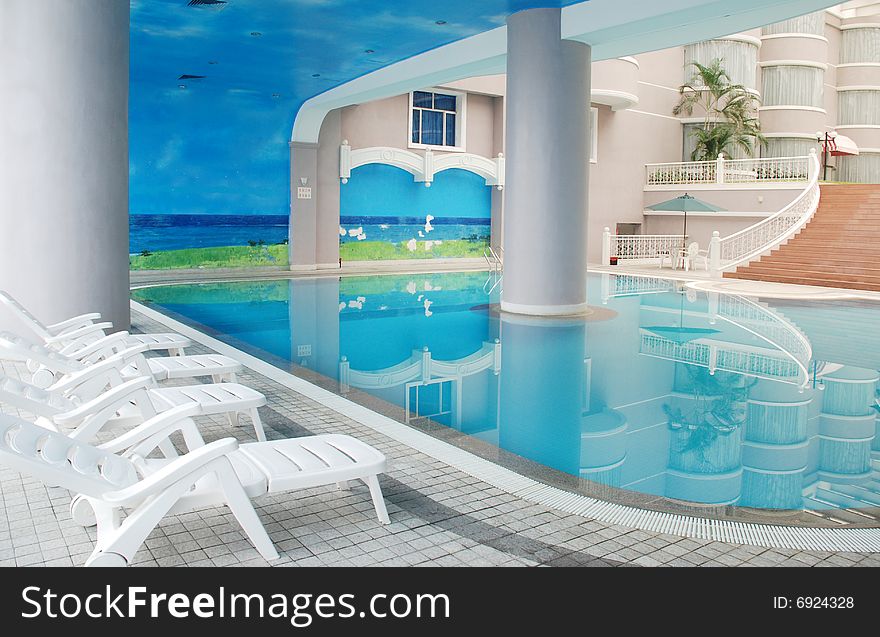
[
  {"x": 692, "y": 255},
  {"x": 110, "y": 485},
  {"x": 77, "y": 332},
  {"x": 50, "y": 365},
  {"x": 99, "y": 398}
]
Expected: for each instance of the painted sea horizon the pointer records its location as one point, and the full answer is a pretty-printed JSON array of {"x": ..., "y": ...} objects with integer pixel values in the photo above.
[{"x": 164, "y": 232}]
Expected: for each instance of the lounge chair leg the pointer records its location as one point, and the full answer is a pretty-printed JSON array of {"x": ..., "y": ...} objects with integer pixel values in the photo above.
[
  {"x": 231, "y": 377},
  {"x": 232, "y": 419},
  {"x": 216, "y": 378},
  {"x": 258, "y": 425},
  {"x": 243, "y": 510},
  {"x": 378, "y": 500}
]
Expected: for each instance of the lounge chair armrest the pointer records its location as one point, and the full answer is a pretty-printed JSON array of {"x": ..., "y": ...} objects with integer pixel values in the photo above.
[
  {"x": 109, "y": 367},
  {"x": 152, "y": 431},
  {"x": 114, "y": 397},
  {"x": 112, "y": 343},
  {"x": 73, "y": 323},
  {"x": 75, "y": 335},
  {"x": 173, "y": 472}
]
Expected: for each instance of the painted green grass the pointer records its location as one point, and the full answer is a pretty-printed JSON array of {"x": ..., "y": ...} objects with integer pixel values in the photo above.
[
  {"x": 383, "y": 250},
  {"x": 223, "y": 257},
  {"x": 276, "y": 255}
]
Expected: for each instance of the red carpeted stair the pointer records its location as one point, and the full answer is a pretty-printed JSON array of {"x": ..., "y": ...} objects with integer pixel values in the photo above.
[{"x": 839, "y": 247}]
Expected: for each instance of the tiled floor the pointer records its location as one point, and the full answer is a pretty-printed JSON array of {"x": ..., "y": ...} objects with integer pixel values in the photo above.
[{"x": 440, "y": 517}]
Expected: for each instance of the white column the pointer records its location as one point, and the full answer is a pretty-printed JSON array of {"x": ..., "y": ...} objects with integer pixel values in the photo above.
[
  {"x": 64, "y": 157},
  {"x": 545, "y": 216}
]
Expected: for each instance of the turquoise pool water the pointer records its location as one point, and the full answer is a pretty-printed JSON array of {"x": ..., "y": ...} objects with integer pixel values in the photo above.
[{"x": 663, "y": 390}]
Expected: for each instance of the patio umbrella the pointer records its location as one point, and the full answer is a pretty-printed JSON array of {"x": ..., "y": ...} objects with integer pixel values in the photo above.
[{"x": 685, "y": 204}]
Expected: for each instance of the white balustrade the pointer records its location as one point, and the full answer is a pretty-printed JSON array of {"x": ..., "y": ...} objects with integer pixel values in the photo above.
[
  {"x": 644, "y": 248},
  {"x": 729, "y": 171},
  {"x": 741, "y": 247}
]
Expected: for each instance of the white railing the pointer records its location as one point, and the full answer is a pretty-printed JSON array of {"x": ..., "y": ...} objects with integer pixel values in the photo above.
[
  {"x": 621, "y": 285},
  {"x": 767, "y": 325},
  {"x": 685, "y": 172},
  {"x": 717, "y": 355},
  {"x": 747, "y": 244},
  {"x": 729, "y": 171},
  {"x": 646, "y": 248}
]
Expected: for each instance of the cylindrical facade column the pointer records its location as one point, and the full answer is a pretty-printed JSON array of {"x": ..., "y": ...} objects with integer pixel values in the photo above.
[
  {"x": 64, "y": 157},
  {"x": 545, "y": 215}
]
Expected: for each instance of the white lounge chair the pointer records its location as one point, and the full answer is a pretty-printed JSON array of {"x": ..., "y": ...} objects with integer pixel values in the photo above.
[
  {"x": 77, "y": 332},
  {"x": 221, "y": 472},
  {"x": 97, "y": 398},
  {"x": 51, "y": 365}
]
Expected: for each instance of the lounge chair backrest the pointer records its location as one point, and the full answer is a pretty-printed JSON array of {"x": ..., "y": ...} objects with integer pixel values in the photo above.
[
  {"x": 55, "y": 459},
  {"x": 32, "y": 399},
  {"x": 22, "y": 312}
]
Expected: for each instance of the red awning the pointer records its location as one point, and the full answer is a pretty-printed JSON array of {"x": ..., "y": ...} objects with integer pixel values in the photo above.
[{"x": 841, "y": 145}]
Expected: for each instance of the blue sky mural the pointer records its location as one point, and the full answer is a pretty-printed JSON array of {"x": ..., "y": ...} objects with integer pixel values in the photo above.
[{"x": 217, "y": 143}]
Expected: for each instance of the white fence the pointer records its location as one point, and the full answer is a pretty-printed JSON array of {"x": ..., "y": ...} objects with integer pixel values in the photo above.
[
  {"x": 640, "y": 248},
  {"x": 729, "y": 171}
]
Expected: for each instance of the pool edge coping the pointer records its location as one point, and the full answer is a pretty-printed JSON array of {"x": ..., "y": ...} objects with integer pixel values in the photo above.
[{"x": 857, "y": 540}]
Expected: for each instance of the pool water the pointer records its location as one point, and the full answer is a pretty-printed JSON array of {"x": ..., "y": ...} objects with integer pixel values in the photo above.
[{"x": 663, "y": 390}]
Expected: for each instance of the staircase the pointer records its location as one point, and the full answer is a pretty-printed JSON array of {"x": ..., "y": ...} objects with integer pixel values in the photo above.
[{"x": 839, "y": 247}]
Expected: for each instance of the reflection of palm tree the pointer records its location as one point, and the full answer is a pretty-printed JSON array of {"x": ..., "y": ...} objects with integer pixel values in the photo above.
[
  {"x": 729, "y": 112},
  {"x": 720, "y": 408}
]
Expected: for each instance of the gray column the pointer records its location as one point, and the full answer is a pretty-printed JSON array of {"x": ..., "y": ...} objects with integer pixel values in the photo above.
[
  {"x": 303, "y": 207},
  {"x": 64, "y": 157},
  {"x": 545, "y": 200}
]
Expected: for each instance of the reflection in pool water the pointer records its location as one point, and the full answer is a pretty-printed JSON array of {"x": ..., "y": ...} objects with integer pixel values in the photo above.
[{"x": 707, "y": 398}]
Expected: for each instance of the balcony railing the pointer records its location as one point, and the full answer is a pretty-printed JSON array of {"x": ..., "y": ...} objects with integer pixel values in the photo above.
[{"x": 729, "y": 171}]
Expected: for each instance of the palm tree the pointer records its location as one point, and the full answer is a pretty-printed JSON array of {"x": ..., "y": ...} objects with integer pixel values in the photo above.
[{"x": 729, "y": 111}]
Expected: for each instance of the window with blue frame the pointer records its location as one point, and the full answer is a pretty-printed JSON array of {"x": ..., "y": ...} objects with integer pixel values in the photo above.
[{"x": 434, "y": 118}]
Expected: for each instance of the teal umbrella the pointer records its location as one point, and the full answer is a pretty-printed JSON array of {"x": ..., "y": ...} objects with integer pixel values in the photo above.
[{"x": 686, "y": 204}]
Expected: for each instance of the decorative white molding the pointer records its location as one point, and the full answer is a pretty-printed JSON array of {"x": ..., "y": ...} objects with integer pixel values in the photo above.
[
  {"x": 742, "y": 37},
  {"x": 810, "y": 63},
  {"x": 858, "y": 87},
  {"x": 617, "y": 100},
  {"x": 795, "y": 135},
  {"x": 846, "y": 65},
  {"x": 860, "y": 25},
  {"x": 808, "y": 36},
  {"x": 631, "y": 60},
  {"x": 422, "y": 167},
  {"x": 791, "y": 107}
]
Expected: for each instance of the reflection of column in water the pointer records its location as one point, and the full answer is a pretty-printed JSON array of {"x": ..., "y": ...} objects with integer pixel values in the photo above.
[
  {"x": 846, "y": 426},
  {"x": 314, "y": 324},
  {"x": 542, "y": 381},
  {"x": 705, "y": 457},
  {"x": 603, "y": 447},
  {"x": 776, "y": 446}
]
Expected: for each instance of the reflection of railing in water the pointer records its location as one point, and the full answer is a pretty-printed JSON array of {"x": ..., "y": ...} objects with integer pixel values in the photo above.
[
  {"x": 620, "y": 285},
  {"x": 421, "y": 366},
  {"x": 716, "y": 355},
  {"x": 769, "y": 326}
]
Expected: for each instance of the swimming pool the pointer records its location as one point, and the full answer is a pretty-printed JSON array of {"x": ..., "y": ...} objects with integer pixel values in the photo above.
[{"x": 663, "y": 392}]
